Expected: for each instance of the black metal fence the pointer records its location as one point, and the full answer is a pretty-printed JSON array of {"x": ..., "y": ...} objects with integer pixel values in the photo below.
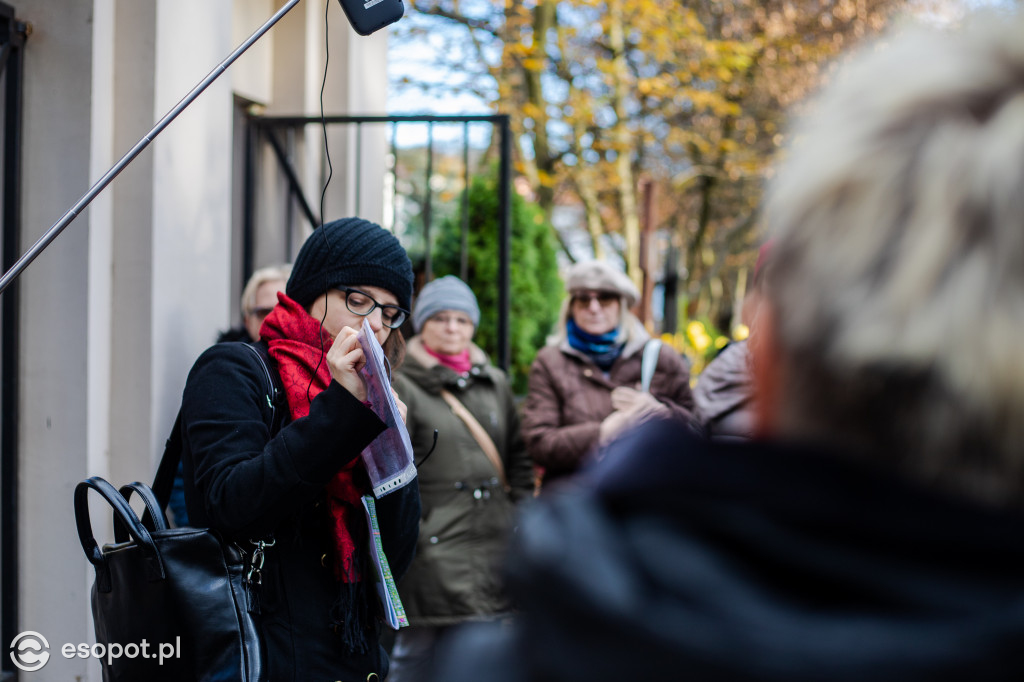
[
  {"x": 274, "y": 135},
  {"x": 12, "y": 42}
]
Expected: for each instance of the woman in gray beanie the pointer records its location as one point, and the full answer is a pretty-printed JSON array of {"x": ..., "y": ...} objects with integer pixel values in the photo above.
[
  {"x": 478, "y": 470},
  {"x": 281, "y": 465},
  {"x": 584, "y": 384}
]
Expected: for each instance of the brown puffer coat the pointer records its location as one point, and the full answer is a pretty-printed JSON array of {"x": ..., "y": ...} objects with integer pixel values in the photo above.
[{"x": 569, "y": 396}]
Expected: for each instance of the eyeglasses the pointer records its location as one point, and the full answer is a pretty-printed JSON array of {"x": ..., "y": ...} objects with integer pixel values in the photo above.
[
  {"x": 444, "y": 320},
  {"x": 605, "y": 298},
  {"x": 361, "y": 303},
  {"x": 259, "y": 312}
]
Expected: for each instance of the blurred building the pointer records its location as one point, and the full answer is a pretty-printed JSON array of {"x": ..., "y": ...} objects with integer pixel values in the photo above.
[{"x": 111, "y": 316}]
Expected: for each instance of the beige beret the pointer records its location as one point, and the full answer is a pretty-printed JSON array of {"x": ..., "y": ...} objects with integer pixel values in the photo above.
[{"x": 601, "y": 276}]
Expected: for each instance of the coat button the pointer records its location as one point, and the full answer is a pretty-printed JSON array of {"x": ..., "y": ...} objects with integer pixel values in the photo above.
[
  {"x": 461, "y": 383},
  {"x": 433, "y": 539},
  {"x": 588, "y": 372}
]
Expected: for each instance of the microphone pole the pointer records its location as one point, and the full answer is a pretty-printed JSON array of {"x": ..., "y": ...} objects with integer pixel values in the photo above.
[{"x": 87, "y": 198}]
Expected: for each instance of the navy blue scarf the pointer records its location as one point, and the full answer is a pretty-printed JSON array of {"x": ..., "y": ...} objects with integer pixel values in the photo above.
[{"x": 602, "y": 349}]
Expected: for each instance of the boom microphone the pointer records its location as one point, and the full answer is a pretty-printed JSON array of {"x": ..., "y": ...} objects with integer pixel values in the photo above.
[{"x": 367, "y": 16}]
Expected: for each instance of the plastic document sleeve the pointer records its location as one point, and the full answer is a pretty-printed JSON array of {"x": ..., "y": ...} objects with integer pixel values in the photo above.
[{"x": 388, "y": 459}]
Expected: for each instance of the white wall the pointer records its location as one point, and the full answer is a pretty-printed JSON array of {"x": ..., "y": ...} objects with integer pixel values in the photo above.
[
  {"x": 191, "y": 197},
  {"x": 54, "y": 323},
  {"x": 115, "y": 311},
  {"x": 131, "y": 113}
]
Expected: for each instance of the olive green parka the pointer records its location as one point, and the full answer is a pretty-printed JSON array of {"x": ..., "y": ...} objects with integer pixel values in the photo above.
[{"x": 466, "y": 514}]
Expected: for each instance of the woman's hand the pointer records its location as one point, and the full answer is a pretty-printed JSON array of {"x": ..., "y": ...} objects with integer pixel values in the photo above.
[
  {"x": 345, "y": 359},
  {"x": 632, "y": 408},
  {"x": 643, "y": 404},
  {"x": 624, "y": 398},
  {"x": 613, "y": 425},
  {"x": 403, "y": 409}
]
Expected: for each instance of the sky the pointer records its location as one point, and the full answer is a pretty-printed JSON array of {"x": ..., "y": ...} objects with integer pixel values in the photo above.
[{"x": 420, "y": 59}]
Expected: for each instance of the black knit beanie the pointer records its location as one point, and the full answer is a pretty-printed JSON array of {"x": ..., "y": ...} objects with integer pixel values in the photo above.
[{"x": 349, "y": 252}]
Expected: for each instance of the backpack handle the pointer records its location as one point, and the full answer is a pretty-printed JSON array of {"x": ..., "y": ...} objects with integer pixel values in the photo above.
[
  {"x": 153, "y": 518},
  {"x": 125, "y": 515}
]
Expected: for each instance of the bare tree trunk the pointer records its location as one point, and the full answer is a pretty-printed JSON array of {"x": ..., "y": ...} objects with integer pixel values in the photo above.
[
  {"x": 624, "y": 143},
  {"x": 544, "y": 160},
  {"x": 695, "y": 250},
  {"x": 592, "y": 212}
]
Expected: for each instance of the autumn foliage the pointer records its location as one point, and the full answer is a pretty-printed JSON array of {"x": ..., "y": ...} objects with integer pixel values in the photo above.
[{"x": 688, "y": 99}]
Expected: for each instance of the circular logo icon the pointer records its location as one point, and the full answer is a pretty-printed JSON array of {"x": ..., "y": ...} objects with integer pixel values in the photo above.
[{"x": 29, "y": 651}]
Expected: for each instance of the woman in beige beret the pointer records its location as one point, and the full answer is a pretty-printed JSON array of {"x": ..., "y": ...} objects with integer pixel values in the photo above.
[{"x": 584, "y": 386}]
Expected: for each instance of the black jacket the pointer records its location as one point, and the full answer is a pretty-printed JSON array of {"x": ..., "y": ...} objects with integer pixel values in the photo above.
[
  {"x": 249, "y": 485},
  {"x": 677, "y": 559}
]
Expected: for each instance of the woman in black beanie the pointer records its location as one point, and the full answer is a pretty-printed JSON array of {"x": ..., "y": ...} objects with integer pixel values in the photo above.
[{"x": 291, "y": 475}]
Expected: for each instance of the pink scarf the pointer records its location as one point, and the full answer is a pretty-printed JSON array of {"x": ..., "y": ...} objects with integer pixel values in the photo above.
[{"x": 459, "y": 363}]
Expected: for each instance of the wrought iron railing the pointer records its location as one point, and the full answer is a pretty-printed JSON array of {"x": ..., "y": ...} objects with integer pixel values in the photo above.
[{"x": 265, "y": 136}]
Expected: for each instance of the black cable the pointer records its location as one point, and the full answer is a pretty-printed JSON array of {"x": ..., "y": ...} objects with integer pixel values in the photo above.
[
  {"x": 323, "y": 193},
  {"x": 429, "y": 452},
  {"x": 323, "y": 118}
]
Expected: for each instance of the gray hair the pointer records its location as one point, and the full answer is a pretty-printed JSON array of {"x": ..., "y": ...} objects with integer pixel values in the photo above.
[
  {"x": 269, "y": 273},
  {"x": 897, "y": 267}
]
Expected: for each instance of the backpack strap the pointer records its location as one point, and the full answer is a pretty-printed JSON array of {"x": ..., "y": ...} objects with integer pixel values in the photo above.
[
  {"x": 275, "y": 394},
  {"x": 163, "y": 483},
  {"x": 168, "y": 467}
]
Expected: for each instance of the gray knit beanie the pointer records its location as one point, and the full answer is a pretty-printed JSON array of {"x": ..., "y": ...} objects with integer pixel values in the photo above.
[
  {"x": 445, "y": 293},
  {"x": 350, "y": 252}
]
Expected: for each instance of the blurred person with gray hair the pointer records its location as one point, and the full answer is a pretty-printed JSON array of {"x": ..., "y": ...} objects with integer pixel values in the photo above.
[
  {"x": 873, "y": 529},
  {"x": 584, "y": 385},
  {"x": 258, "y": 298}
]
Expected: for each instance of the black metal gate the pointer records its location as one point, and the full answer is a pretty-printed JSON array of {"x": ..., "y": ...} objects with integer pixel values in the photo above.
[
  {"x": 266, "y": 133},
  {"x": 12, "y": 43}
]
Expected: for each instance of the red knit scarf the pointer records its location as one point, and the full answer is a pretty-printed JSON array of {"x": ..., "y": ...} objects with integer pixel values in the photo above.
[
  {"x": 460, "y": 363},
  {"x": 299, "y": 345}
]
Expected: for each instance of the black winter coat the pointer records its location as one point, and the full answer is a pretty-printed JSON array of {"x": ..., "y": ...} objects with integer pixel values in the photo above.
[
  {"x": 248, "y": 485},
  {"x": 677, "y": 560}
]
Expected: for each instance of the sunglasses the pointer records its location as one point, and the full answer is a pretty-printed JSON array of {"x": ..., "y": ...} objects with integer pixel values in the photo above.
[{"x": 605, "y": 298}]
